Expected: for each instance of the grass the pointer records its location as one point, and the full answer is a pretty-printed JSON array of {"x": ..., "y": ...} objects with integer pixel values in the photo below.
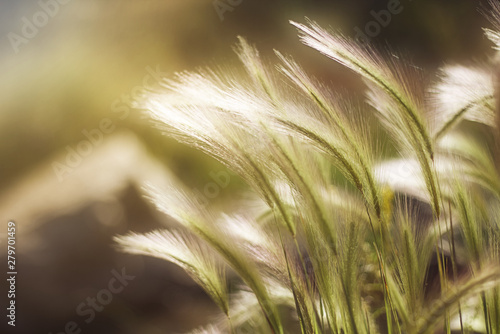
[{"x": 341, "y": 237}]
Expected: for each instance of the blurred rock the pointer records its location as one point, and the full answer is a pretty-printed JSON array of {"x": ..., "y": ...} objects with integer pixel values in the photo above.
[{"x": 65, "y": 251}]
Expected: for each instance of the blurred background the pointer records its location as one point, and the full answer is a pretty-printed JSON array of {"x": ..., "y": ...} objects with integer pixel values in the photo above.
[{"x": 74, "y": 153}]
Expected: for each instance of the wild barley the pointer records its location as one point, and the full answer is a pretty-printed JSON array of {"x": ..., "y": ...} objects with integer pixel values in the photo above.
[{"x": 344, "y": 239}]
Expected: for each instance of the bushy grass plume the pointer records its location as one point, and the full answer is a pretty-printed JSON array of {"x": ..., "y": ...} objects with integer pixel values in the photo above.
[{"x": 342, "y": 238}]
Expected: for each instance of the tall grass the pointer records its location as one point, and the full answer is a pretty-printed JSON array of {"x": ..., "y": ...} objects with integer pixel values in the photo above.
[{"x": 344, "y": 238}]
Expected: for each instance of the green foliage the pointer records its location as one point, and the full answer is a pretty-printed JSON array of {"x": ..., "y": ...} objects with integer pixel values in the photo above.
[{"x": 405, "y": 245}]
